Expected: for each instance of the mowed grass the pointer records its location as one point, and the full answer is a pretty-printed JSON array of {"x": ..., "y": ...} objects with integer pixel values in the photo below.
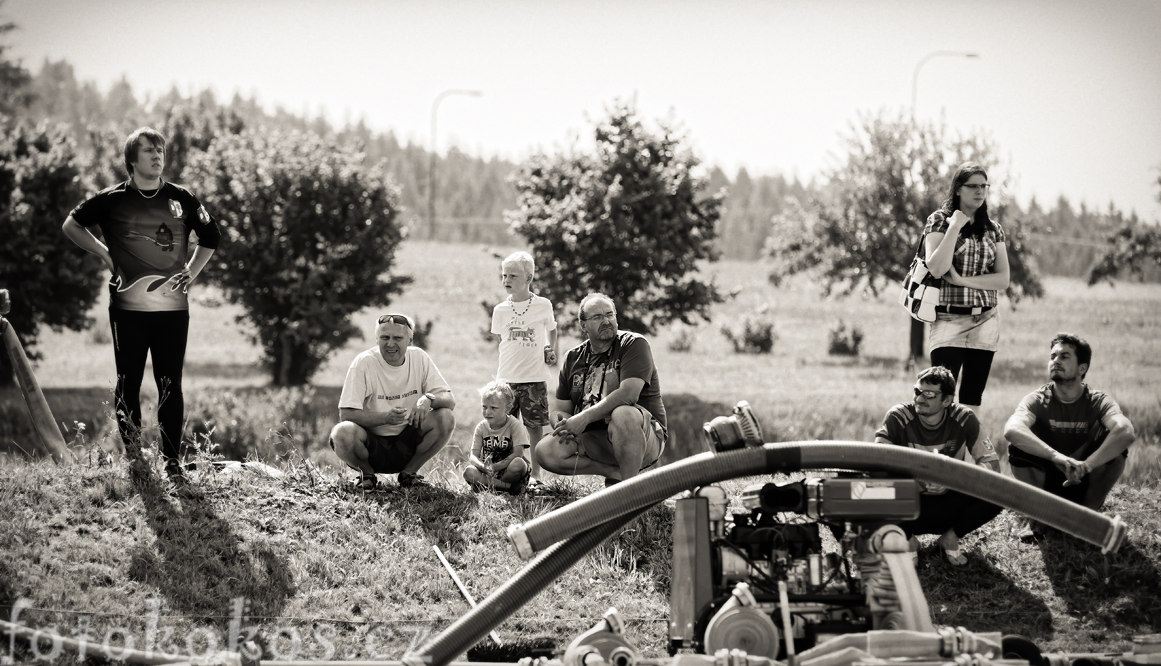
[
  {"x": 324, "y": 572},
  {"x": 799, "y": 390},
  {"x": 307, "y": 552}
]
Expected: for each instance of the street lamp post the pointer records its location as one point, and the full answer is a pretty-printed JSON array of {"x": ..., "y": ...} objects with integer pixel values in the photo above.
[
  {"x": 431, "y": 157},
  {"x": 918, "y": 328},
  {"x": 922, "y": 61}
]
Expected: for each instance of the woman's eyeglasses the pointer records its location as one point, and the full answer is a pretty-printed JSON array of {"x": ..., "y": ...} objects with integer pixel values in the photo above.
[{"x": 976, "y": 187}]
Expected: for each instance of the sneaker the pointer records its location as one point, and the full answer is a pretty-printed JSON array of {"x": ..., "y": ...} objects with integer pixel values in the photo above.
[
  {"x": 409, "y": 480},
  {"x": 179, "y": 484}
]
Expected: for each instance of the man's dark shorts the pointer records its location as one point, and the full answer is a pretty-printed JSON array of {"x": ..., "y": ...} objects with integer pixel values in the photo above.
[
  {"x": 389, "y": 454},
  {"x": 531, "y": 402}
]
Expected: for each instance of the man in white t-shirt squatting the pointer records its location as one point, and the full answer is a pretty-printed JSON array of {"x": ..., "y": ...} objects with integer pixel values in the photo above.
[{"x": 395, "y": 409}]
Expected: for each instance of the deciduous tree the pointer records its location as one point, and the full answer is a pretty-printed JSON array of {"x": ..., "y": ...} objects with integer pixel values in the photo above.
[
  {"x": 52, "y": 282},
  {"x": 310, "y": 239},
  {"x": 1136, "y": 249},
  {"x": 860, "y": 231},
  {"x": 14, "y": 79},
  {"x": 631, "y": 219}
]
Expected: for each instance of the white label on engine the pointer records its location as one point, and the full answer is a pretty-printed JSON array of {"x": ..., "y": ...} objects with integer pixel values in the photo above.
[{"x": 861, "y": 491}]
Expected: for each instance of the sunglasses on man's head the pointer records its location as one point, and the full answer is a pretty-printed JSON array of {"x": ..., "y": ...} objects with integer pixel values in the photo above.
[
  {"x": 402, "y": 320},
  {"x": 926, "y": 393}
]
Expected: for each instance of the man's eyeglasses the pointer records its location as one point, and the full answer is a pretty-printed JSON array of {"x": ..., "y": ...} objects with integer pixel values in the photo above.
[
  {"x": 608, "y": 316},
  {"x": 977, "y": 186},
  {"x": 402, "y": 320},
  {"x": 926, "y": 393}
]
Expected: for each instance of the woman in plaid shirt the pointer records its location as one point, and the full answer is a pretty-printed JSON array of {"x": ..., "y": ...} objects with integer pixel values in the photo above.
[{"x": 968, "y": 250}]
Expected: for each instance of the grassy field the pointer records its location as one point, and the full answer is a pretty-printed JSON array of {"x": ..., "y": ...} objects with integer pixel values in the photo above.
[
  {"x": 90, "y": 543},
  {"x": 799, "y": 390}
]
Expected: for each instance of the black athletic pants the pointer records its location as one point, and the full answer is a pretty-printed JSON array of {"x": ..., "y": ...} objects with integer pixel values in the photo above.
[
  {"x": 163, "y": 336},
  {"x": 950, "y": 510}
]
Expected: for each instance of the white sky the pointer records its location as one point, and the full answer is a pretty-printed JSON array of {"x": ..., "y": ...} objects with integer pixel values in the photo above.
[{"x": 1069, "y": 90}]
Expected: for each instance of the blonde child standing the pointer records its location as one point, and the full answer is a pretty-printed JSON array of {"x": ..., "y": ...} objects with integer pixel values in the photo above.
[
  {"x": 498, "y": 459},
  {"x": 526, "y": 325}
]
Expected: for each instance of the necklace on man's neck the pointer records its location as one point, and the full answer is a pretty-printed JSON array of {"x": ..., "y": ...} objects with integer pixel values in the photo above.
[
  {"x": 528, "y": 307},
  {"x": 160, "y": 182},
  {"x": 933, "y": 426}
]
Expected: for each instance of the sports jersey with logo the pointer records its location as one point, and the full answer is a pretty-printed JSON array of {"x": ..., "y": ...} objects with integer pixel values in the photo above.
[
  {"x": 495, "y": 444},
  {"x": 148, "y": 237},
  {"x": 587, "y": 377},
  {"x": 960, "y": 428},
  {"x": 1075, "y": 429}
]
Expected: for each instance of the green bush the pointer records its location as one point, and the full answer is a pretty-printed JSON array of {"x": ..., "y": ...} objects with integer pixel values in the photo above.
[
  {"x": 53, "y": 283},
  {"x": 844, "y": 340},
  {"x": 633, "y": 219},
  {"x": 309, "y": 239},
  {"x": 266, "y": 424},
  {"x": 421, "y": 336},
  {"x": 757, "y": 334},
  {"x": 683, "y": 339}
]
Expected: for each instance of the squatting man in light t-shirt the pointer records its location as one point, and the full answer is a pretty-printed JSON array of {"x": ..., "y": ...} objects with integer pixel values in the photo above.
[{"x": 395, "y": 409}]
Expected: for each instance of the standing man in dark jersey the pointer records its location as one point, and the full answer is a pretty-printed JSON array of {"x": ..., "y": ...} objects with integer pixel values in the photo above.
[{"x": 146, "y": 224}]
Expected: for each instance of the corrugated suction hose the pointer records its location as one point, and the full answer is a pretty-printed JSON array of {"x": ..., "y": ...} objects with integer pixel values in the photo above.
[
  {"x": 657, "y": 485},
  {"x": 512, "y": 595}
]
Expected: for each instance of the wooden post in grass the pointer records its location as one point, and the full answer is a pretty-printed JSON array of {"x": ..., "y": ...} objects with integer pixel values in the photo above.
[
  {"x": 463, "y": 590},
  {"x": 47, "y": 434}
]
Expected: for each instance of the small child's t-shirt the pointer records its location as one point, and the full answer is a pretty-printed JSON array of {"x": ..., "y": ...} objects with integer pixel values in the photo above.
[
  {"x": 496, "y": 445},
  {"x": 523, "y": 329}
]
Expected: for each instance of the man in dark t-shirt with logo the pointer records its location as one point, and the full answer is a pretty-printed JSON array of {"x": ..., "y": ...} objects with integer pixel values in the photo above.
[
  {"x": 146, "y": 225},
  {"x": 933, "y": 422},
  {"x": 607, "y": 415},
  {"x": 1065, "y": 437}
]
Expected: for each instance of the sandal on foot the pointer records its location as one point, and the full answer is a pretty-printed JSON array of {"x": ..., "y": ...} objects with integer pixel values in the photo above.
[
  {"x": 956, "y": 557},
  {"x": 409, "y": 480},
  {"x": 949, "y": 543},
  {"x": 367, "y": 482}
]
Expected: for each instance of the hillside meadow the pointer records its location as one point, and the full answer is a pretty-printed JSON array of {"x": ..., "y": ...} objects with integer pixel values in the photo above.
[
  {"x": 798, "y": 390},
  {"x": 102, "y": 541}
]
